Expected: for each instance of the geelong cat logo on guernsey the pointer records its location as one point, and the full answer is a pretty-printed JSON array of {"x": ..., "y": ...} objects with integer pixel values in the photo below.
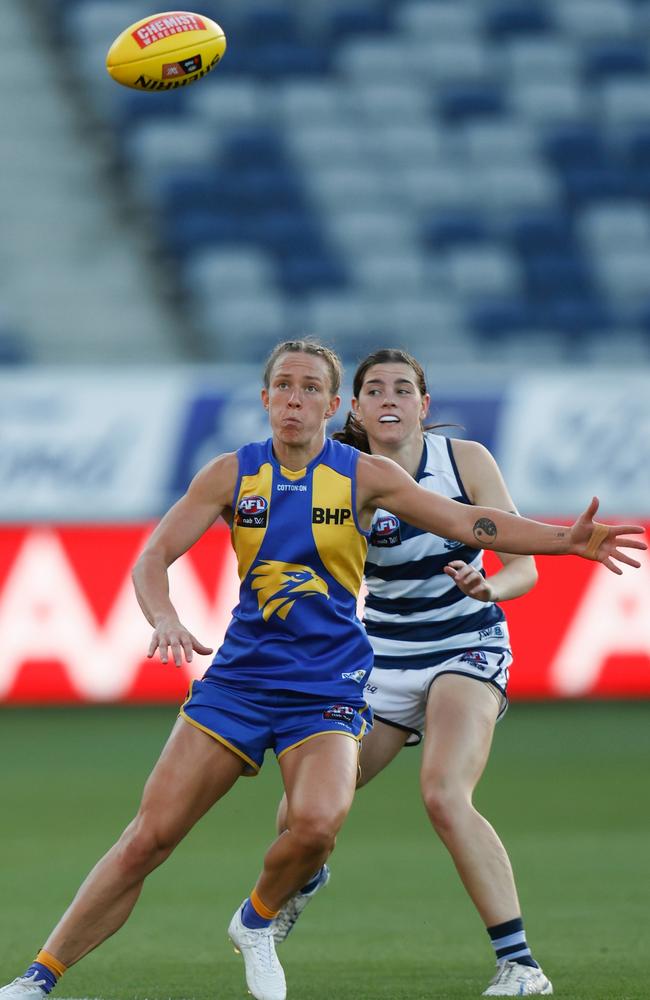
[
  {"x": 279, "y": 585},
  {"x": 252, "y": 512}
]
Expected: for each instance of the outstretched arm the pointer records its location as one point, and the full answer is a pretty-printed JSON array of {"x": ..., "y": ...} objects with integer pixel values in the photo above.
[
  {"x": 382, "y": 483},
  {"x": 486, "y": 486},
  {"x": 209, "y": 493}
]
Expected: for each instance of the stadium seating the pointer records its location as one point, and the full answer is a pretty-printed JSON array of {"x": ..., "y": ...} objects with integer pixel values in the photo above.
[{"x": 441, "y": 172}]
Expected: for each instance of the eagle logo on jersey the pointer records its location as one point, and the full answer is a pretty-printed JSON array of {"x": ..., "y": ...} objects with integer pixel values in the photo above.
[{"x": 279, "y": 585}]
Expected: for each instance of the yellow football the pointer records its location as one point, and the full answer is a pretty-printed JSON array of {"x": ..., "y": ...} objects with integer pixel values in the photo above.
[{"x": 166, "y": 51}]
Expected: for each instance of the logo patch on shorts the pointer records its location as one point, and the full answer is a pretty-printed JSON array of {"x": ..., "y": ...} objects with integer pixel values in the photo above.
[
  {"x": 354, "y": 675},
  {"x": 476, "y": 657},
  {"x": 385, "y": 532},
  {"x": 340, "y": 713},
  {"x": 252, "y": 512}
]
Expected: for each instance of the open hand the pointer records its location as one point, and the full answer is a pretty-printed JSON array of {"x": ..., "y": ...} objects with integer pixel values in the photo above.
[
  {"x": 603, "y": 542},
  {"x": 170, "y": 633}
]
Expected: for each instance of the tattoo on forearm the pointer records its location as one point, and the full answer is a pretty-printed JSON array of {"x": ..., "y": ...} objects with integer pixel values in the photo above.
[{"x": 485, "y": 531}]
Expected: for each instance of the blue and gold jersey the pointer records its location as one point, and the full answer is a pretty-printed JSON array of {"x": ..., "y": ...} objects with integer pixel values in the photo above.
[{"x": 301, "y": 554}]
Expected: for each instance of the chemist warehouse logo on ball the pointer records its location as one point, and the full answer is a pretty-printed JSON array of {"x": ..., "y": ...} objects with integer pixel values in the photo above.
[
  {"x": 164, "y": 27},
  {"x": 252, "y": 512}
]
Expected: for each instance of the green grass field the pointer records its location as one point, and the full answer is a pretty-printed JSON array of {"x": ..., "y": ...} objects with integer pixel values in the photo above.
[{"x": 567, "y": 788}]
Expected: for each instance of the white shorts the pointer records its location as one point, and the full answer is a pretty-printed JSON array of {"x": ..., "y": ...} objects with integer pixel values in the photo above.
[{"x": 399, "y": 697}]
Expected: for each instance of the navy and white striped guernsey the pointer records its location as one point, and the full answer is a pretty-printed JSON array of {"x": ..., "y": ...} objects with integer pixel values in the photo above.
[{"x": 415, "y": 615}]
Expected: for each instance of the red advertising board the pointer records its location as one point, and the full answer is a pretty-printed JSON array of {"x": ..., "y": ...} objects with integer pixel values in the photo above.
[{"x": 72, "y": 630}]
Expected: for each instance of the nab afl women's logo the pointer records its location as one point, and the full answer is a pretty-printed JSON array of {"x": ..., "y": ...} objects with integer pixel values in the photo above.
[
  {"x": 252, "y": 512},
  {"x": 385, "y": 531}
]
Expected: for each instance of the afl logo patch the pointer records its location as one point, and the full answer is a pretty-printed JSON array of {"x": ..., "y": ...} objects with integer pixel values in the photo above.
[
  {"x": 385, "y": 531},
  {"x": 252, "y": 512},
  {"x": 340, "y": 713}
]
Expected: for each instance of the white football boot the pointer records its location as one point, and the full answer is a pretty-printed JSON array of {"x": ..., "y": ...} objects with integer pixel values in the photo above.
[
  {"x": 286, "y": 918},
  {"x": 515, "y": 980},
  {"x": 264, "y": 974},
  {"x": 24, "y": 988}
]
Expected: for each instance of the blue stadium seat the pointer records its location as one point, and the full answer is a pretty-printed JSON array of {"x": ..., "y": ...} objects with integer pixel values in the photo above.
[
  {"x": 496, "y": 319},
  {"x": 517, "y": 17},
  {"x": 272, "y": 23},
  {"x": 299, "y": 274},
  {"x": 357, "y": 19},
  {"x": 287, "y": 232},
  {"x": 253, "y": 144},
  {"x": 584, "y": 184},
  {"x": 537, "y": 231},
  {"x": 620, "y": 57},
  {"x": 458, "y": 102},
  {"x": 184, "y": 231},
  {"x": 577, "y": 144},
  {"x": 446, "y": 229},
  {"x": 277, "y": 60},
  {"x": 577, "y": 316},
  {"x": 557, "y": 274}
]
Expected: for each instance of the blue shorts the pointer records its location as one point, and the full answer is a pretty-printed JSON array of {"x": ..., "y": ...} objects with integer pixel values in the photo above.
[{"x": 249, "y": 723}]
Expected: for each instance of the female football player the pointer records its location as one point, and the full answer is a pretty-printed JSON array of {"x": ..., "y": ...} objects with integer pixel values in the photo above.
[{"x": 293, "y": 665}]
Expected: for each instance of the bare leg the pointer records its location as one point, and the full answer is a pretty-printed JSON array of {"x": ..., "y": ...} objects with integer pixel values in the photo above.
[
  {"x": 192, "y": 773},
  {"x": 319, "y": 779},
  {"x": 461, "y": 714},
  {"x": 379, "y": 747}
]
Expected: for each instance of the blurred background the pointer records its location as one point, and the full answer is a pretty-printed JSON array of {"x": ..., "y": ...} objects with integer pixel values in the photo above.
[{"x": 467, "y": 179}]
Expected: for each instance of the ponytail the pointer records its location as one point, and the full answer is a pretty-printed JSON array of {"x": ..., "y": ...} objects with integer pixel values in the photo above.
[{"x": 353, "y": 434}]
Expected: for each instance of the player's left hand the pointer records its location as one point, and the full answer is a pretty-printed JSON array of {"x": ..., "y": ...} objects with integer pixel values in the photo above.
[
  {"x": 469, "y": 580},
  {"x": 603, "y": 542}
]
